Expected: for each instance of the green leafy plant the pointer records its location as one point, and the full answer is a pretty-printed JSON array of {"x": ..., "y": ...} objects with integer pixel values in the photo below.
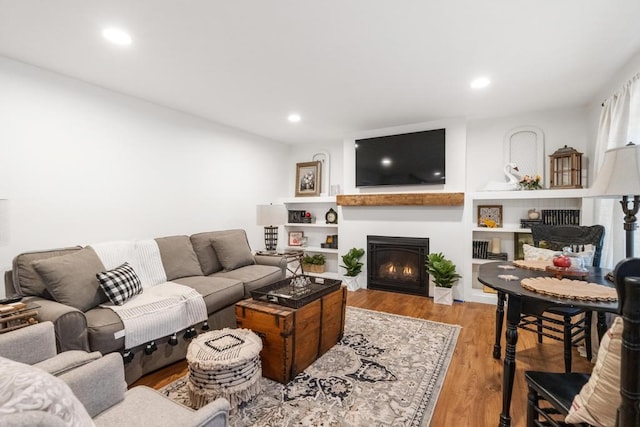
[
  {"x": 442, "y": 270},
  {"x": 317, "y": 259},
  {"x": 352, "y": 262}
]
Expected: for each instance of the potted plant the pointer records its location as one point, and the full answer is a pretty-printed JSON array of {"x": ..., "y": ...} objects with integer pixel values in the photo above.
[
  {"x": 444, "y": 275},
  {"x": 313, "y": 263},
  {"x": 353, "y": 266}
]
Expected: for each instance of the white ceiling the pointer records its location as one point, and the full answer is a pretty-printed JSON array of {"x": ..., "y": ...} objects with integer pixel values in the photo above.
[{"x": 345, "y": 66}]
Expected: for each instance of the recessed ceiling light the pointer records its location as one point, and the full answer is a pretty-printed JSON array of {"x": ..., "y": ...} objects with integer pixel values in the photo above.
[
  {"x": 117, "y": 36},
  {"x": 294, "y": 118},
  {"x": 480, "y": 83}
]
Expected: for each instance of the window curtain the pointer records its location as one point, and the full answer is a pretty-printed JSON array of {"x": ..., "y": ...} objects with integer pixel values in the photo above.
[{"x": 619, "y": 124}]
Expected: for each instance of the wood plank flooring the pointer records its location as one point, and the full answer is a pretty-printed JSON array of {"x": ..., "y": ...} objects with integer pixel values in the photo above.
[{"x": 472, "y": 392}]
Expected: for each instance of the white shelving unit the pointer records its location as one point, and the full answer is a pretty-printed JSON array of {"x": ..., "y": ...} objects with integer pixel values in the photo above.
[
  {"x": 515, "y": 205},
  {"x": 315, "y": 232}
]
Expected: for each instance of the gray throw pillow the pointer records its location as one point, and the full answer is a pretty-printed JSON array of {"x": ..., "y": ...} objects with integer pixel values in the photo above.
[
  {"x": 71, "y": 279},
  {"x": 178, "y": 257},
  {"x": 232, "y": 252}
]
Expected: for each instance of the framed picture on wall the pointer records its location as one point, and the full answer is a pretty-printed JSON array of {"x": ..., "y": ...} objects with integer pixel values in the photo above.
[
  {"x": 308, "y": 179},
  {"x": 295, "y": 238},
  {"x": 490, "y": 216}
]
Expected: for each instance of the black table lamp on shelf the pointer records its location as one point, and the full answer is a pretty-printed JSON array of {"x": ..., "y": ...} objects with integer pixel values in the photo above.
[
  {"x": 271, "y": 216},
  {"x": 619, "y": 176}
]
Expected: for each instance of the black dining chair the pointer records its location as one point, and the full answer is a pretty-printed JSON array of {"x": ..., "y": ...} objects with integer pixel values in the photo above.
[
  {"x": 559, "y": 389},
  {"x": 570, "y": 325}
]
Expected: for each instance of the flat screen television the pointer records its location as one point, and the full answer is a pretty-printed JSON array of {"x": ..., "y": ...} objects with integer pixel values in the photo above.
[{"x": 407, "y": 159}]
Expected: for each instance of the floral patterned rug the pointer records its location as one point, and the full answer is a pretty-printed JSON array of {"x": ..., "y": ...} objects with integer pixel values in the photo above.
[{"x": 386, "y": 371}]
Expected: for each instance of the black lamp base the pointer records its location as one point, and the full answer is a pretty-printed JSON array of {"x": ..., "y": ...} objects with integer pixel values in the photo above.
[
  {"x": 271, "y": 237},
  {"x": 630, "y": 224}
]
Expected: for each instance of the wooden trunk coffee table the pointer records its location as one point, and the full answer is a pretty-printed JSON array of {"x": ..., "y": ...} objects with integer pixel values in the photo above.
[{"x": 293, "y": 338}]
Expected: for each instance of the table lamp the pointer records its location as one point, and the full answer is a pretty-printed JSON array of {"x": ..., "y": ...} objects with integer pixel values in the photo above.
[
  {"x": 619, "y": 176},
  {"x": 271, "y": 216}
]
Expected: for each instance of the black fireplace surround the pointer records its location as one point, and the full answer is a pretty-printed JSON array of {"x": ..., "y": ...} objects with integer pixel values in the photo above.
[{"x": 397, "y": 264}]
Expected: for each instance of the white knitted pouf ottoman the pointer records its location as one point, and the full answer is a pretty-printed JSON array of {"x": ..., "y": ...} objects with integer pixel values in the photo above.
[{"x": 224, "y": 363}]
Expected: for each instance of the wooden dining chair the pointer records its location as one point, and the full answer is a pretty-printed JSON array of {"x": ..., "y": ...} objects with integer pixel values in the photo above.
[
  {"x": 558, "y": 390},
  {"x": 570, "y": 325}
]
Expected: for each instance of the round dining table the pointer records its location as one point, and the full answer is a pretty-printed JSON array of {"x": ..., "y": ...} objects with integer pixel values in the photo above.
[{"x": 506, "y": 282}]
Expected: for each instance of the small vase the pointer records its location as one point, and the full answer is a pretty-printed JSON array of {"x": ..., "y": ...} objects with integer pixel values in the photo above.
[
  {"x": 443, "y": 295},
  {"x": 352, "y": 282},
  {"x": 533, "y": 214}
]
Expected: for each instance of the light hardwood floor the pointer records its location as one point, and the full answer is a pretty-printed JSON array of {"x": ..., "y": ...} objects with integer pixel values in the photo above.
[{"x": 472, "y": 392}]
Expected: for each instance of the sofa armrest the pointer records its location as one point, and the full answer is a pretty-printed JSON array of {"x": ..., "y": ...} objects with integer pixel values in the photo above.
[
  {"x": 213, "y": 414},
  {"x": 98, "y": 385},
  {"x": 32, "y": 419},
  {"x": 29, "y": 345},
  {"x": 70, "y": 324},
  {"x": 275, "y": 261}
]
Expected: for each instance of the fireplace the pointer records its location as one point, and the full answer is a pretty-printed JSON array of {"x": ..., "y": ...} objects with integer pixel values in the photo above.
[{"x": 397, "y": 264}]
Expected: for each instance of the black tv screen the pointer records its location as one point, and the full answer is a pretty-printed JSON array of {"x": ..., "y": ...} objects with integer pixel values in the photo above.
[{"x": 408, "y": 159}]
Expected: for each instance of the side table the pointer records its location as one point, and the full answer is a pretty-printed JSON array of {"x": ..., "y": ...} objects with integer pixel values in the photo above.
[
  {"x": 17, "y": 315},
  {"x": 293, "y": 258}
]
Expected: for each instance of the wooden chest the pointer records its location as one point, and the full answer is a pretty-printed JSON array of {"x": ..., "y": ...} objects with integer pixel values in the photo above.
[{"x": 293, "y": 338}]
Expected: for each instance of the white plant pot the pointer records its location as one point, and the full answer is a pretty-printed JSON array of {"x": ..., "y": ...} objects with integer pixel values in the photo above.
[
  {"x": 443, "y": 295},
  {"x": 352, "y": 282}
]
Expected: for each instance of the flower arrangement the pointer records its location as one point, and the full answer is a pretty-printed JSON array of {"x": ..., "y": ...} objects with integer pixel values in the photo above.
[{"x": 530, "y": 183}]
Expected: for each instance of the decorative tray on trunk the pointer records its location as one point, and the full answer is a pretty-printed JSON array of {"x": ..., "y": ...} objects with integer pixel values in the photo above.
[{"x": 296, "y": 291}]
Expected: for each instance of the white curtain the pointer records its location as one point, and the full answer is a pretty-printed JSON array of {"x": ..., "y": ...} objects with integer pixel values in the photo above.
[{"x": 619, "y": 124}]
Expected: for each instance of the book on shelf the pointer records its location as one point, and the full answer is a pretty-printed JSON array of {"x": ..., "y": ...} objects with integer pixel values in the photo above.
[{"x": 480, "y": 249}]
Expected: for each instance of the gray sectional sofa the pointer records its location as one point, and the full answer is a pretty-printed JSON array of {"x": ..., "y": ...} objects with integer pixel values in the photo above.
[{"x": 219, "y": 265}]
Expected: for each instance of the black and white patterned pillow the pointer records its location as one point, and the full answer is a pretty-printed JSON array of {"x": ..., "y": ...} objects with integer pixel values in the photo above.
[{"x": 120, "y": 284}]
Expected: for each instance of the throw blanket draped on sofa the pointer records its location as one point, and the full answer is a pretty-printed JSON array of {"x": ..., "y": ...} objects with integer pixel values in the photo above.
[{"x": 163, "y": 307}]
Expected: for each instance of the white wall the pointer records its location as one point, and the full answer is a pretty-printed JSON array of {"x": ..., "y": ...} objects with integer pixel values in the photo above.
[
  {"x": 80, "y": 164},
  {"x": 485, "y": 139},
  {"x": 442, "y": 225}
]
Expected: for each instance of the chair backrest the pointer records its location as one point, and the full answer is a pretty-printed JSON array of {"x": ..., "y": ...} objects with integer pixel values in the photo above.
[
  {"x": 627, "y": 281},
  {"x": 557, "y": 237}
]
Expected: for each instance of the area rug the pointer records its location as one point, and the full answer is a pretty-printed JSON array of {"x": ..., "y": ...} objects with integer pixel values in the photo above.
[{"x": 386, "y": 371}]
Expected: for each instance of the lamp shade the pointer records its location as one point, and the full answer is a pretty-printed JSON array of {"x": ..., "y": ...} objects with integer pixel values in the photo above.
[
  {"x": 619, "y": 174},
  {"x": 270, "y": 215}
]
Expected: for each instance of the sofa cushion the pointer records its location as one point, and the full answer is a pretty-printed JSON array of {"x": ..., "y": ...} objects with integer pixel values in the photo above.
[
  {"x": 27, "y": 388},
  {"x": 253, "y": 276},
  {"x": 71, "y": 279},
  {"x": 26, "y": 279},
  {"x": 67, "y": 361},
  {"x": 178, "y": 257},
  {"x": 532, "y": 253},
  {"x": 120, "y": 284},
  {"x": 218, "y": 292},
  {"x": 205, "y": 252},
  {"x": 232, "y": 252},
  {"x": 598, "y": 401}
]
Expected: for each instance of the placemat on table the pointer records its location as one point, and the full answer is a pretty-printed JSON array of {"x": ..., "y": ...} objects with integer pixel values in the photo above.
[
  {"x": 532, "y": 265},
  {"x": 568, "y": 288}
]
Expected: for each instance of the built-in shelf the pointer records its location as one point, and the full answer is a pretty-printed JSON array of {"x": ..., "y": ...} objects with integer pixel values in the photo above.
[
  {"x": 503, "y": 229},
  {"x": 316, "y": 199},
  {"x": 401, "y": 199},
  {"x": 313, "y": 249},
  {"x": 530, "y": 194},
  {"x": 313, "y": 224}
]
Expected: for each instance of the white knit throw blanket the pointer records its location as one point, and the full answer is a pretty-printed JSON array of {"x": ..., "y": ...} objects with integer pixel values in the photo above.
[
  {"x": 159, "y": 311},
  {"x": 163, "y": 307}
]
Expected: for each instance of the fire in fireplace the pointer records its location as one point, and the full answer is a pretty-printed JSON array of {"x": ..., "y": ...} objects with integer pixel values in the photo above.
[{"x": 397, "y": 264}]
